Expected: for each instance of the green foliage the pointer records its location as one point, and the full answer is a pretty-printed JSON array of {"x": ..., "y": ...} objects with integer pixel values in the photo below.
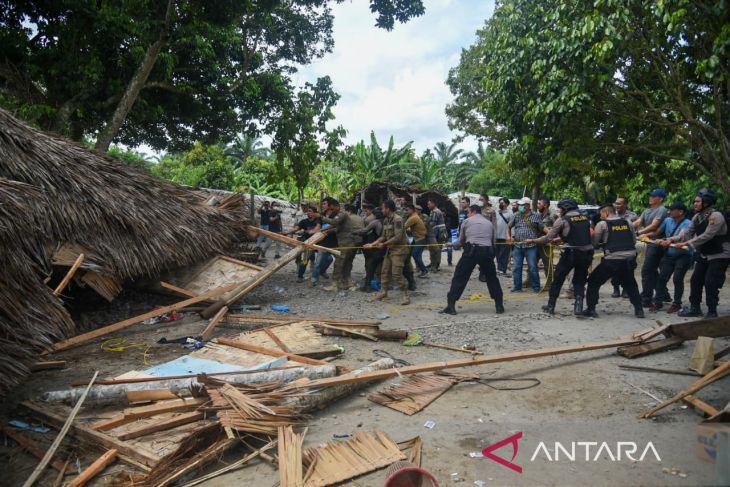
[
  {"x": 495, "y": 176},
  {"x": 130, "y": 158},
  {"x": 203, "y": 166}
]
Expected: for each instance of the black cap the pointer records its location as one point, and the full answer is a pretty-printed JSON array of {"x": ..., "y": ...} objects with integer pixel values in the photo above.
[
  {"x": 678, "y": 205},
  {"x": 369, "y": 206}
]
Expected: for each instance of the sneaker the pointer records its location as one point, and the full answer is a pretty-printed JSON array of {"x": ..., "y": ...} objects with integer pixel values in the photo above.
[
  {"x": 515, "y": 290},
  {"x": 448, "y": 310},
  {"x": 616, "y": 293},
  {"x": 690, "y": 312},
  {"x": 590, "y": 313},
  {"x": 710, "y": 314},
  {"x": 536, "y": 290},
  {"x": 423, "y": 275},
  {"x": 311, "y": 283},
  {"x": 328, "y": 288},
  {"x": 674, "y": 308}
]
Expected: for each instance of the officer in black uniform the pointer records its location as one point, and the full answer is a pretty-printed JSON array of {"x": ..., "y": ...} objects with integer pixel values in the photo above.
[
  {"x": 618, "y": 240},
  {"x": 477, "y": 237},
  {"x": 574, "y": 229},
  {"x": 708, "y": 235}
]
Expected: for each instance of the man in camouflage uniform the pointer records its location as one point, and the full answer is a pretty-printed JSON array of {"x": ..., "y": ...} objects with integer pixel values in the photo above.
[
  {"x": 395, "y": 241},
  {"x": 344, "y": 223},
  {"x": 436, "y": 234}
]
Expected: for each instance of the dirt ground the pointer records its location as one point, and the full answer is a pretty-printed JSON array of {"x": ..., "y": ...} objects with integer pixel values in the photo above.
[{"x": 582, "y": 397}]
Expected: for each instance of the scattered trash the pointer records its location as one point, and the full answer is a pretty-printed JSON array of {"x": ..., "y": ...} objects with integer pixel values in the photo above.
[
  {"x": 480, "y": 483},
  {"x": 22, "y": 425},
  {"x": 375, "y": 284},
  {"x": 476, "y": 454},
  {"x": 429, "y": 424},
  {"x": 166, "y": 318},
  {"x": 413, "y": 340},
  {"x": 384, "y": 316},
  {"x": 276, "y": 307},
  {"x": 344, "y": 435}
]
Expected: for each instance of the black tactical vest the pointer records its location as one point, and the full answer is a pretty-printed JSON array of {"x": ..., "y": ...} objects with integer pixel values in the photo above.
[
  {"x": 714, "y": 246},
  {"x": 620, "y": 236},
  {"x": 580, "y": 231}
]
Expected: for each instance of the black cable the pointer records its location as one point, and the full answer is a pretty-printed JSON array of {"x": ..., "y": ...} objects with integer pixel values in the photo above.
[{"x": 383, "y": 354}]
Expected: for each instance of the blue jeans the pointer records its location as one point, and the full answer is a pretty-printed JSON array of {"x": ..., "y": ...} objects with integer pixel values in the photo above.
[
  {"x": 322, "y": 262},
  {"x": 531, "y": 254},
  {"x": 260, "y": 240},
  {"x": 417, "y": 253},
  {"x": 301, "y": 266}
]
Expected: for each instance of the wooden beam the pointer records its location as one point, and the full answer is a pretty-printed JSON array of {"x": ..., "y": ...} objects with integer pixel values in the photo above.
[
  {"x": 294, "y": 318},
  {"x": 277, "y": 340},
  {"x": 701, "y": 405},
  {"x": 69, "y": 275},
  {"x": 61, "y": 435},
  {"x": 348, "y": 332},
  {"x": 661, "y": 371},
  {"x": 213, "y": 323},
  {"x": 475, "y": 360},
  {"x": 242, "y": 263},
  {"x": 48, "y": 365},
  {"x": 253, "y": 283},
  {"x": 94, "y": 469},
  {"x": 268, "y": 351},
  {"x": 634, "y": 351},
  {"x": 178, "y": 290},
  {"x": 134, "y": 455},
  {"x": 706, "y": 380},
  {"x": 453, "y": 349},
  {"x": 713, "y": 328},
  {"x": 31, "y": 447},
  {"x": 149, "y": 395},
  {"x": 168, "y": 424},
  {"x": 296, "y": 243},
  {"x": 100, "y": 332},
  {"x": 133, "y": 414}
]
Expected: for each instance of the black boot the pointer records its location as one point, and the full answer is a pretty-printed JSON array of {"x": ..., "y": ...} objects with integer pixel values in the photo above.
[
  {"x": 590, "y": 312},
  {"x": 549, "y": 308},
  {"x": 616, "y": 292},
  {"x": 450, "y": 309},
  {"x": 690, "y": 312},
  {"x": 411, "y": 283},
  {"x": 578, "y": 305},
  {"x": 639, "y": 311},
  {"x": 711, "y": 313},
  {"x": 482, "y": 277},
  {"x": 499, "y": 307}
]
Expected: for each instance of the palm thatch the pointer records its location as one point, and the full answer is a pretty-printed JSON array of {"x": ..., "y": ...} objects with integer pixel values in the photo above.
[
  {"x": 377, "y": 192},
  {"x": 56, "y": 195}
]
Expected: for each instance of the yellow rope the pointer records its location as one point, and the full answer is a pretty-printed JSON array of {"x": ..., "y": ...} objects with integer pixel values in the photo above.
[{"x": 120, "y": 345}]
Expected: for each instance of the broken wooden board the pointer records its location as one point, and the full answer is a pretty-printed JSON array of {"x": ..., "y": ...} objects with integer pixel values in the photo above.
[
  {"x": 343, "y": 460},
  {"x": 94, "y": 469},
  {"x": 634, "y": 351},
  {"x": 291, "y": 473},
  {"x": 413, "y": 393},
  {"x": 219, "y": 272},
  {"x": 712, "y": 328}
]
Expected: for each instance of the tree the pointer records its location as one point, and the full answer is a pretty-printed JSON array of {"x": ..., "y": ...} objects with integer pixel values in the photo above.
[
  {"x": 162, "y": 73},
  {"x": 245, "y": 146},
  {"x": 203, "y": 166},
  {"x": 369, "y": 163},
  {"x": 301, "y": 137},
  {"x": 571, "y": 86}
]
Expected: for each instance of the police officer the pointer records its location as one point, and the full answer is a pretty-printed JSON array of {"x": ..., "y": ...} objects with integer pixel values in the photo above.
[
  {"x": 477, "y": 237},
  {"x": 618, "y": 240},
  {"x": 708, "y": 235},
  {"x": 395, "y": 241},
  {"x": 577, "y": 253}
]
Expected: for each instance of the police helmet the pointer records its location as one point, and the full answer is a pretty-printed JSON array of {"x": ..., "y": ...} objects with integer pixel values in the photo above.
[
  {"x": 708, "y": 196},
  {"x": 568, "y": 204}
]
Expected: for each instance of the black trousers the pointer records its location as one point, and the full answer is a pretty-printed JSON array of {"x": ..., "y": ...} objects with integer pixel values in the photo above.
[
  {"x": 470, "y": 258},
  {"x": 676, "y": 267},
  {"x": 571, "y": 260},
  {"x": 621, "y": 269},
  {"x": 709, "y": 274},
  {"x": 373, "y": 258},
  {"x": 650, "y": 272},
  {"x": 503, "y": 252}
]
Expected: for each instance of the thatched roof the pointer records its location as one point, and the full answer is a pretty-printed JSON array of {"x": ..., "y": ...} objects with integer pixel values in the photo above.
[
  {"x": 57, "y": 194},
  {"x": 377, "y": 192}
]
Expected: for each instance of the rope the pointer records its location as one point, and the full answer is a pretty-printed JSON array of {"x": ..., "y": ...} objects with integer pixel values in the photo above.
[
  {"x": 120, "y": 345},
  {"x": 383, "y": 354}
]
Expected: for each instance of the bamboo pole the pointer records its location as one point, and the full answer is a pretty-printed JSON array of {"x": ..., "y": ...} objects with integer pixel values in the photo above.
[{"x": 69, "y": 275}]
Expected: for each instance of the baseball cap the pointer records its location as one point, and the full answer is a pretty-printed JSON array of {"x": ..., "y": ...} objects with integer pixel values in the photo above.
[
  {"x": 658, "y": 192},
  {"x": 419, "y": 207},
  {"x": 678, "y": 205},
  {"x": 525, "y": 201}
]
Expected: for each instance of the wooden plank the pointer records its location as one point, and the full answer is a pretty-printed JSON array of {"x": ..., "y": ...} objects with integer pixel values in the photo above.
[
  {"x": 241, "y": 263},
  {"x": 171, "y": 423},
  {"x": 268, "y": 351},
  {"x": 48, "y": 365},
  {"x": 133, "y": 414},
  {"x": 277, "y": 340},
  {"x": 213, "y": 323},
  {"x": 661, "y": 371},
  {"x": 453, "y": 349},
  {"x": 61, "y": 435},
  {"x": 716, "y": 374},
  {"x": 134, "y": 397},
  {"x": 69, "y": 275},
  {"x": 100, "y": 332},
  {"x": 348, "y": 332},
  {"x": 634, "y": 351},
  {"x": 294, "y": 318},
  {"x": 94, "y": 469},
  {"x": 134, "y": 455},
  {"x": 475, "y": 360},
  {"x": 31, "y": 447},
  {"x": 701, "y": 405},
  {"x": 251, "y": 284},
  {"x": 296, "y": 243},
  {"x": 178, "y": 290},
  {"x": 713, "y": 328}
]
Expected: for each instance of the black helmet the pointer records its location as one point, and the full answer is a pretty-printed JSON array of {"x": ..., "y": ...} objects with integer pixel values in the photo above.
[
  {"x": 708, "y": 196},
  {"x": 568, "y": 204}
]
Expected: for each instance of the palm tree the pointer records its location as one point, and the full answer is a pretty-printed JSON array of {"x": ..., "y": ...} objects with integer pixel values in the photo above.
[
  {"x": 447, "y": 154},
  {"x": 372, "y": 163},
  {"x": 245, "y": 146},
  {"x": 428, "y": 172}
]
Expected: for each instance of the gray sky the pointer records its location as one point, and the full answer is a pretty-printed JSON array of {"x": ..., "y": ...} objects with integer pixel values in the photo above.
[{"x": 395, "y": 82}]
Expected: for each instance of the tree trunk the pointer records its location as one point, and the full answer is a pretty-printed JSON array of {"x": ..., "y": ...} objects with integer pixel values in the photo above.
[{"x": 135, "y": 84}]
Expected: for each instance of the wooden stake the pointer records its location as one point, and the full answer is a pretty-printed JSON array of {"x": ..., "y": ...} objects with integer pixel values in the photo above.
[
  {"x": 295, "y": 243},
  {"x": 213, "y": 323},
  {"x": 61, "y": 435},
  {"x": 94, "y": 469},
  {"x": 351, "y": 333},
  {"x": 71, "y": 342},
  {"x": 178, "y": 290},
  {"x": 69, "y": 275}
]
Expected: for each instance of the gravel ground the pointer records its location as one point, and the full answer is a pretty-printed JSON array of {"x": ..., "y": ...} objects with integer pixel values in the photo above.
[{"x": 582, "y": 397}]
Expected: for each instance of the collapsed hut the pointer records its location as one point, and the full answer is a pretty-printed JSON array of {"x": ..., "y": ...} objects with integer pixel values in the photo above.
[
  {"x": 376, "y": 193},
  {"x": 58, "y": 200}
]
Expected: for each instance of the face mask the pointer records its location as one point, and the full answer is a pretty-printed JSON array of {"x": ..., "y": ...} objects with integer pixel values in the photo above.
[{"x": 521, "y": 208}]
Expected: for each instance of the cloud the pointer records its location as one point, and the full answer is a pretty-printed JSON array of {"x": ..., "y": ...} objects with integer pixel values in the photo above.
[{"x": 394, "y": 82}]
